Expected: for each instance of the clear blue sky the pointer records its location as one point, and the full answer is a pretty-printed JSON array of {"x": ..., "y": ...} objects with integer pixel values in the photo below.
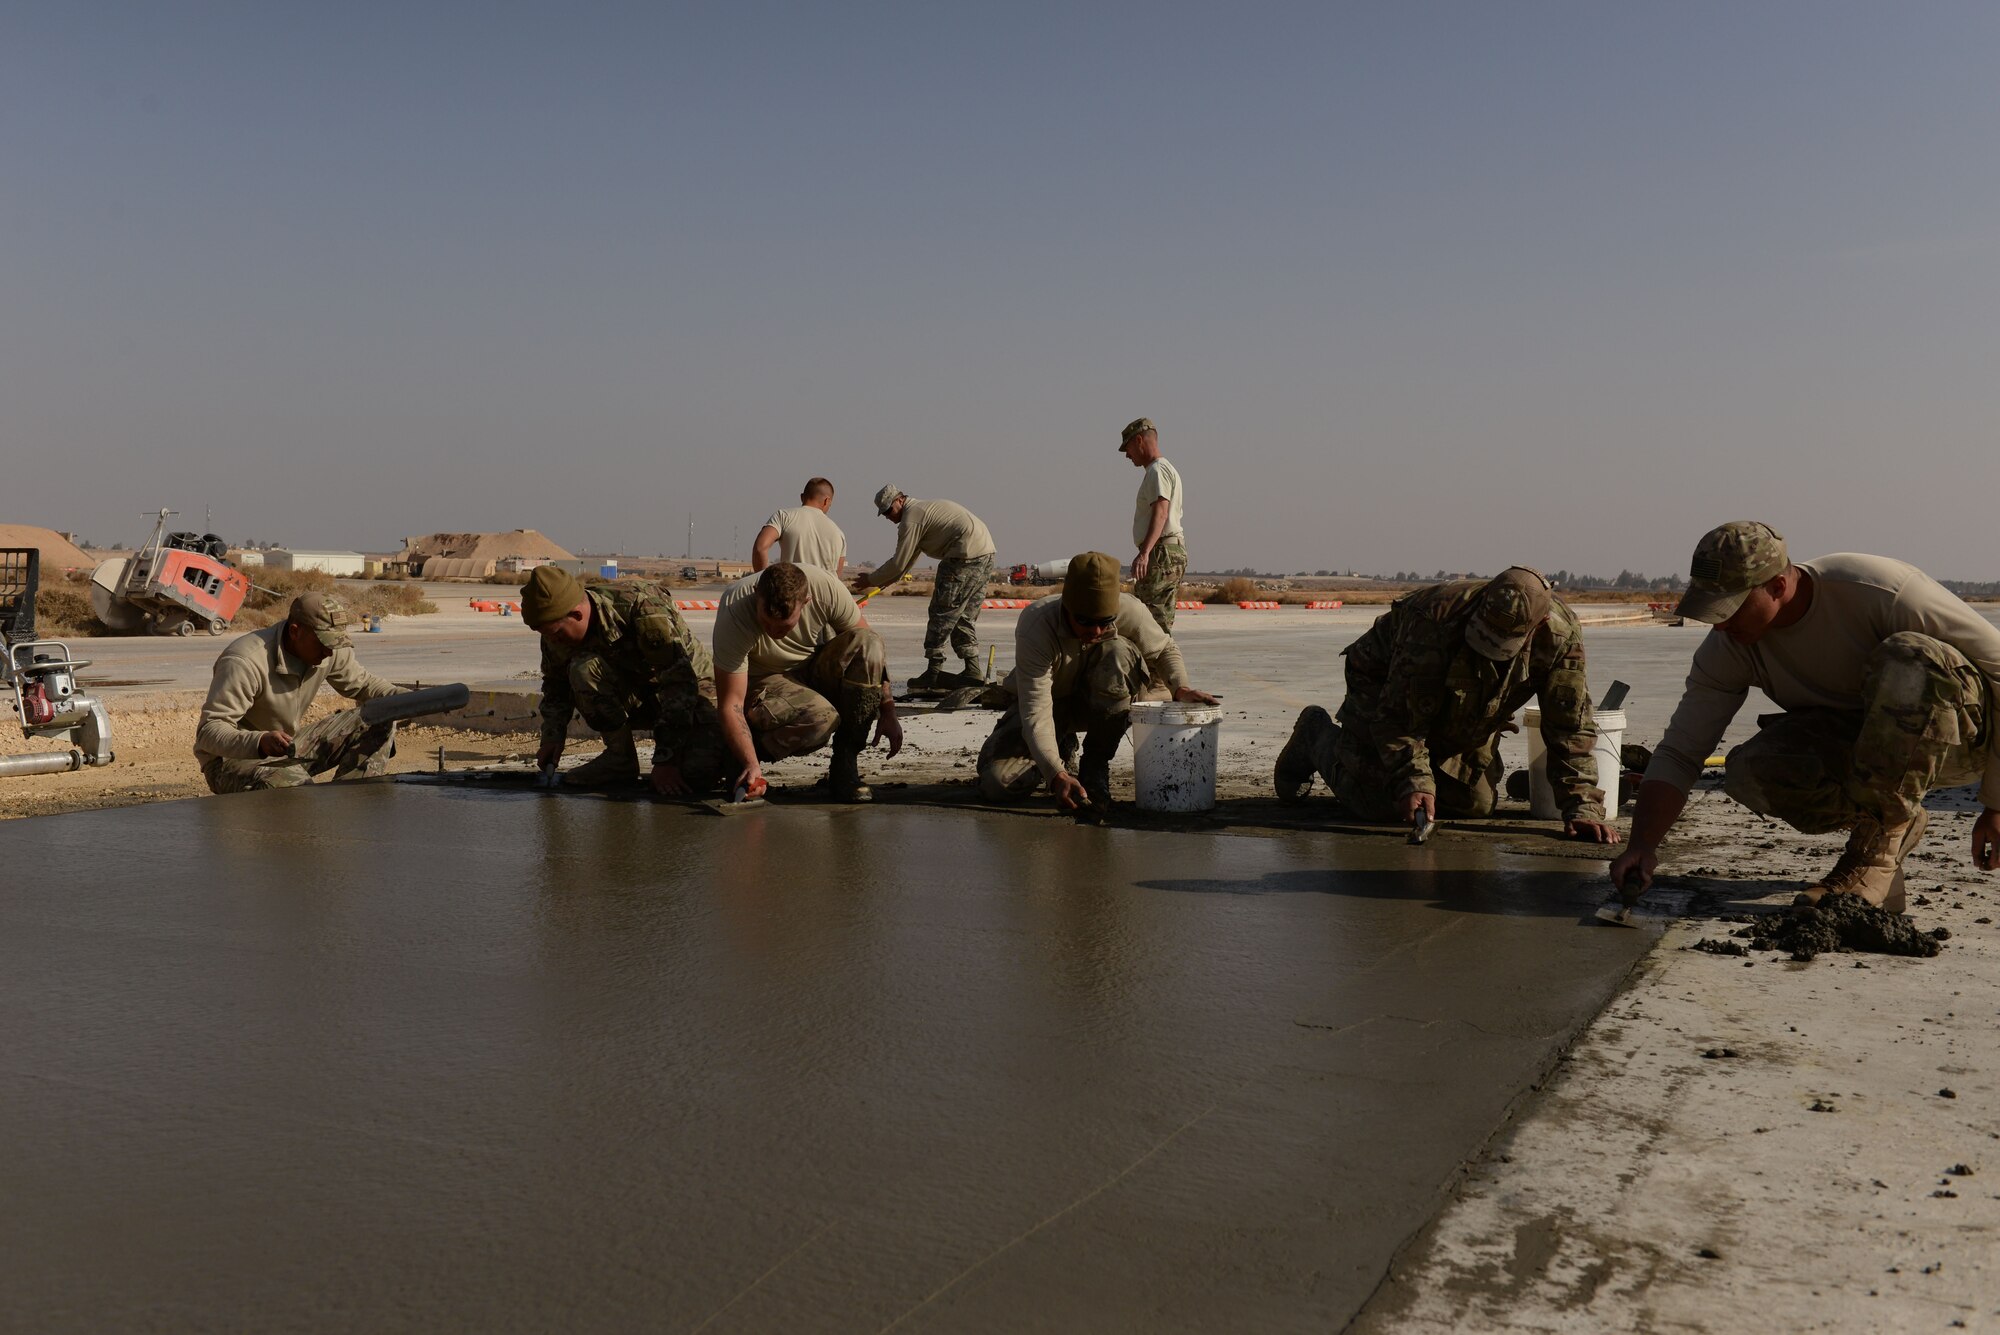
[{"x": 1404, "y": 284}]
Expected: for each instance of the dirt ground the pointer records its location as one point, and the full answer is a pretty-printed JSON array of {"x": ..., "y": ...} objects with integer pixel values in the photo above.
[{"x": 153, "y": 737}]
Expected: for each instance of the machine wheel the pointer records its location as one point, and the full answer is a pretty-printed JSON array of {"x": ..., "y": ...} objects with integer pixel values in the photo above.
[
  {"x": 185, "y": 628},
  {"x": 217, "y": 627}
]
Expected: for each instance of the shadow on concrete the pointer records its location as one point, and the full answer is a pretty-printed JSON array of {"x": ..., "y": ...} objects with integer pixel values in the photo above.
[{"x": 1484, "y": 890}]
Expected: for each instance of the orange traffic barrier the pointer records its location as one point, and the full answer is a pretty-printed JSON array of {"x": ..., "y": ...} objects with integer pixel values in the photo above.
[
  {"x": 1004, "y": 604},
  {"x": 698, "y": 605},
  {"x": 482, "y": 605},
  {"x": 1180, "y": 606},
  {"x": 1258, "y": 605},
  {"x": 1324, "y": 603}
]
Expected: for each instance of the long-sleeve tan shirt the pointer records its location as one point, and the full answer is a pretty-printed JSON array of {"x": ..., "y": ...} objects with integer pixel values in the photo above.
[
  {"x": 1818, "y": 663},
  {"x": 1047, "y": 657},
  {"x": 260, "y": 686},
  {"x": 945, "y": 530}
]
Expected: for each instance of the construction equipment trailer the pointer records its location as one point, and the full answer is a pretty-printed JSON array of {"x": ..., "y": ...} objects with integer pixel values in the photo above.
[{"x": 174, "y": 585}]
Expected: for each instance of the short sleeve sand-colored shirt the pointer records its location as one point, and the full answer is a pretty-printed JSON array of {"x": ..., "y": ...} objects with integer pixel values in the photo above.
[
  {"x": 741, "y": 644},
  {"x": 807, "y": 537},
  {"x": 260, "y": 686},
  {"x": 1819, "y": 662},
  {"x": 1161, "y": 481}
]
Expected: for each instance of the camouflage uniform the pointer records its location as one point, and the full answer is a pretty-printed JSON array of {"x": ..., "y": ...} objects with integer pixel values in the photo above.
[
  {"x": 339, "y": 742},
  {"x": 1165, "y": 569},
  {"x": 833, "y": 695},
  {"x": 956, "y": 598},
  {"x": 1923, "y": 725},
  {"x": 637, "y": 666},
  {"x": 1424, "y": 710}
]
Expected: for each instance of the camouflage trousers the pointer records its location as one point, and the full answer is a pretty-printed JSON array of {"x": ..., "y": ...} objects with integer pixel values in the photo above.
[
  {"x": 1165, "y": 570},
  {"x": 687, "y": 732},
  {"x": 1111, "y": 676},
  {"x": 1467, "y": 783},
  {"x": 955, "y": 602},
  {"x": 339, "y": 742},
  {"x": 837, "y": 690},
  {"x": 1922, "y": 725}
]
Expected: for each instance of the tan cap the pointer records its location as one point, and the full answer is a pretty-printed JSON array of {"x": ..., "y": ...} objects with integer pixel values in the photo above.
[
  {"x": 324, "y": 616},
  {"x": 1514, "y": 602},
  {"x": 885, "y": 498},
  {"x": 550, "y": 595},
  {"x": 1090, "y": 586},
  {"x": 1138, "y": 426},
  {"x": 1729, "y": 561}
]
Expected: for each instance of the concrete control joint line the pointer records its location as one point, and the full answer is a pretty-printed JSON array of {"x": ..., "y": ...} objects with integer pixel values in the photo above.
[{"x": 1039, "y": 1225}]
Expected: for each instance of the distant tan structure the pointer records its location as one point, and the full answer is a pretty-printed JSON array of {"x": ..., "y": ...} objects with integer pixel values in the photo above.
[
  {"x": 58, "y": 553},
  {"x": 478, "y": 555}
]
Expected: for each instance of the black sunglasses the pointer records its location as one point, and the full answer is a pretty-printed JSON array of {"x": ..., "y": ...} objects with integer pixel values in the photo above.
[{"x": 1096, "y": 623}]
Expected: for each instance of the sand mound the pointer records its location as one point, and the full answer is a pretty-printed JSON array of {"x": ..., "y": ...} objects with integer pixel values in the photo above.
[
  {"x": 58, "y": 553},
  {"x": 483, "y": 546}
]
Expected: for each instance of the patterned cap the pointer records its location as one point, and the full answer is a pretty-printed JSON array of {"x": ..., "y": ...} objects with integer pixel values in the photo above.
[
  {"x": 1514, "y": 602},
  {"x": 1138, "y": 426},
  {"x": 885, "y": 498},
  {"x": 1729, "y": 562},
  {"x": 323, "y": 616}
]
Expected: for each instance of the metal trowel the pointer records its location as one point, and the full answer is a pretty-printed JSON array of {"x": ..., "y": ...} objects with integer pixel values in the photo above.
[
  {"x": 1421, "y": 826},
  {"x": 1616, "y": 911},
  {"x": 740, "y": 801}
]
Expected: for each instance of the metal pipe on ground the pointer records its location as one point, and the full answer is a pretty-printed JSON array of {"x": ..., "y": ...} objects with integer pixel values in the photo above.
[{"x": 46, "y": 762}]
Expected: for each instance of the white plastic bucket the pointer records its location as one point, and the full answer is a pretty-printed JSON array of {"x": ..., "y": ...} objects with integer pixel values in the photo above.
[
  {"x": 1610, "y": 736},
  {"x": 1173, "y": 755}
]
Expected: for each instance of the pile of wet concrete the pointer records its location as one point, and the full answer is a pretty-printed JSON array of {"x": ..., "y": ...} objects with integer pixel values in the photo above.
[{"x": 1836, "y": 924}]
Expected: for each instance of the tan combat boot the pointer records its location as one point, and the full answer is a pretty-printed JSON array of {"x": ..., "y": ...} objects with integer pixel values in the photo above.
[
  {"x": 618, "y": 764},
  {"x": 1872, "y": 865}
]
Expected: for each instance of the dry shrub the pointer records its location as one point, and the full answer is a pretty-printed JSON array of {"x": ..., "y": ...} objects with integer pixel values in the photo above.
[
  {"x": 64, "y": 609},
  {"x": 1236, "y": 591},
  {"x": 271, "y": 597}
]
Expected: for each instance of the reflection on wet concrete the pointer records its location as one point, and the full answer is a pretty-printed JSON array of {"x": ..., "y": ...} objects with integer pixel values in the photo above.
[{"x": 397, "y": 1058}]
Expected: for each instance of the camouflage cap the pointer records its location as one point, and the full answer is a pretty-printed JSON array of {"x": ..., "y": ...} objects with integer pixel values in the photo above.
[
  {"x": 1090, "y": 586},
  {"x": 322, "y": 615},
  {"x": 1730, "y": 561},
  {"x": 550, "y": 594},
  {"x": 1513, "y": 603},
  {"x": 885, "y": 498},
  {"x": 1138, "y": 426}
]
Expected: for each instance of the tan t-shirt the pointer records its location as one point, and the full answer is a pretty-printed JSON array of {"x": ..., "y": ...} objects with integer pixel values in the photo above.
[
  {"x": 741, "y": 644},
  {"x": 1161, "y": 480},
  {"x": 1047, "y": 657},
  {"x": 260, "y": 686},
  {"x": 807, "y": 537},
  {"x": 945, "y": 530},
  {"x": 1858, "y": 601}
]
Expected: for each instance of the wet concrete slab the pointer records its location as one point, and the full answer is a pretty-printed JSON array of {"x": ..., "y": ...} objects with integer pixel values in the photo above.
[{"x": 397, "y": 1058}]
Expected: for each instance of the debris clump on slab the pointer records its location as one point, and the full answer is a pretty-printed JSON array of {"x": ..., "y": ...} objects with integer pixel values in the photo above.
[{"x": 1843, "y": 922}]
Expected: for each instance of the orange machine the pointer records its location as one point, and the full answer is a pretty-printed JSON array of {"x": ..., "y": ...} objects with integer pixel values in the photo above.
[{"x": 176, "y": 583}]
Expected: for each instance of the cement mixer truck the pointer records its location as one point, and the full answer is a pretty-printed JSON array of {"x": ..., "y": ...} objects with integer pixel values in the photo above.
[{"x": 1045, "y": 572}]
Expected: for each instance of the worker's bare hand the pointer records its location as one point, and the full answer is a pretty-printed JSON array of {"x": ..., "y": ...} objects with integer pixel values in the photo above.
[
  {"x": 668, "y": 781},
  {"x": 1408, "y": 807},
  {"x": 274, "y": 743},
  {"x": 548, "y": 755},
  {"x": 1632, "y": 873},
  {"x": 862, "y": 583},
  {"x": 1986, "y": 841},
  {"x": 751, "y": 781},
  {"x": 1591, "y": 831},
  {"x": 889, "y": 727},
  {"x": 1139, "y": 566},
  {"x": 1188, "y": 695},
  {"x": 1069, "y": 791}
]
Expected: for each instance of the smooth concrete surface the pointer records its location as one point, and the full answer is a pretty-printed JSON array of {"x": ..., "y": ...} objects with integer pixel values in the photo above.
[{"x": 392, "y": 1058}]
